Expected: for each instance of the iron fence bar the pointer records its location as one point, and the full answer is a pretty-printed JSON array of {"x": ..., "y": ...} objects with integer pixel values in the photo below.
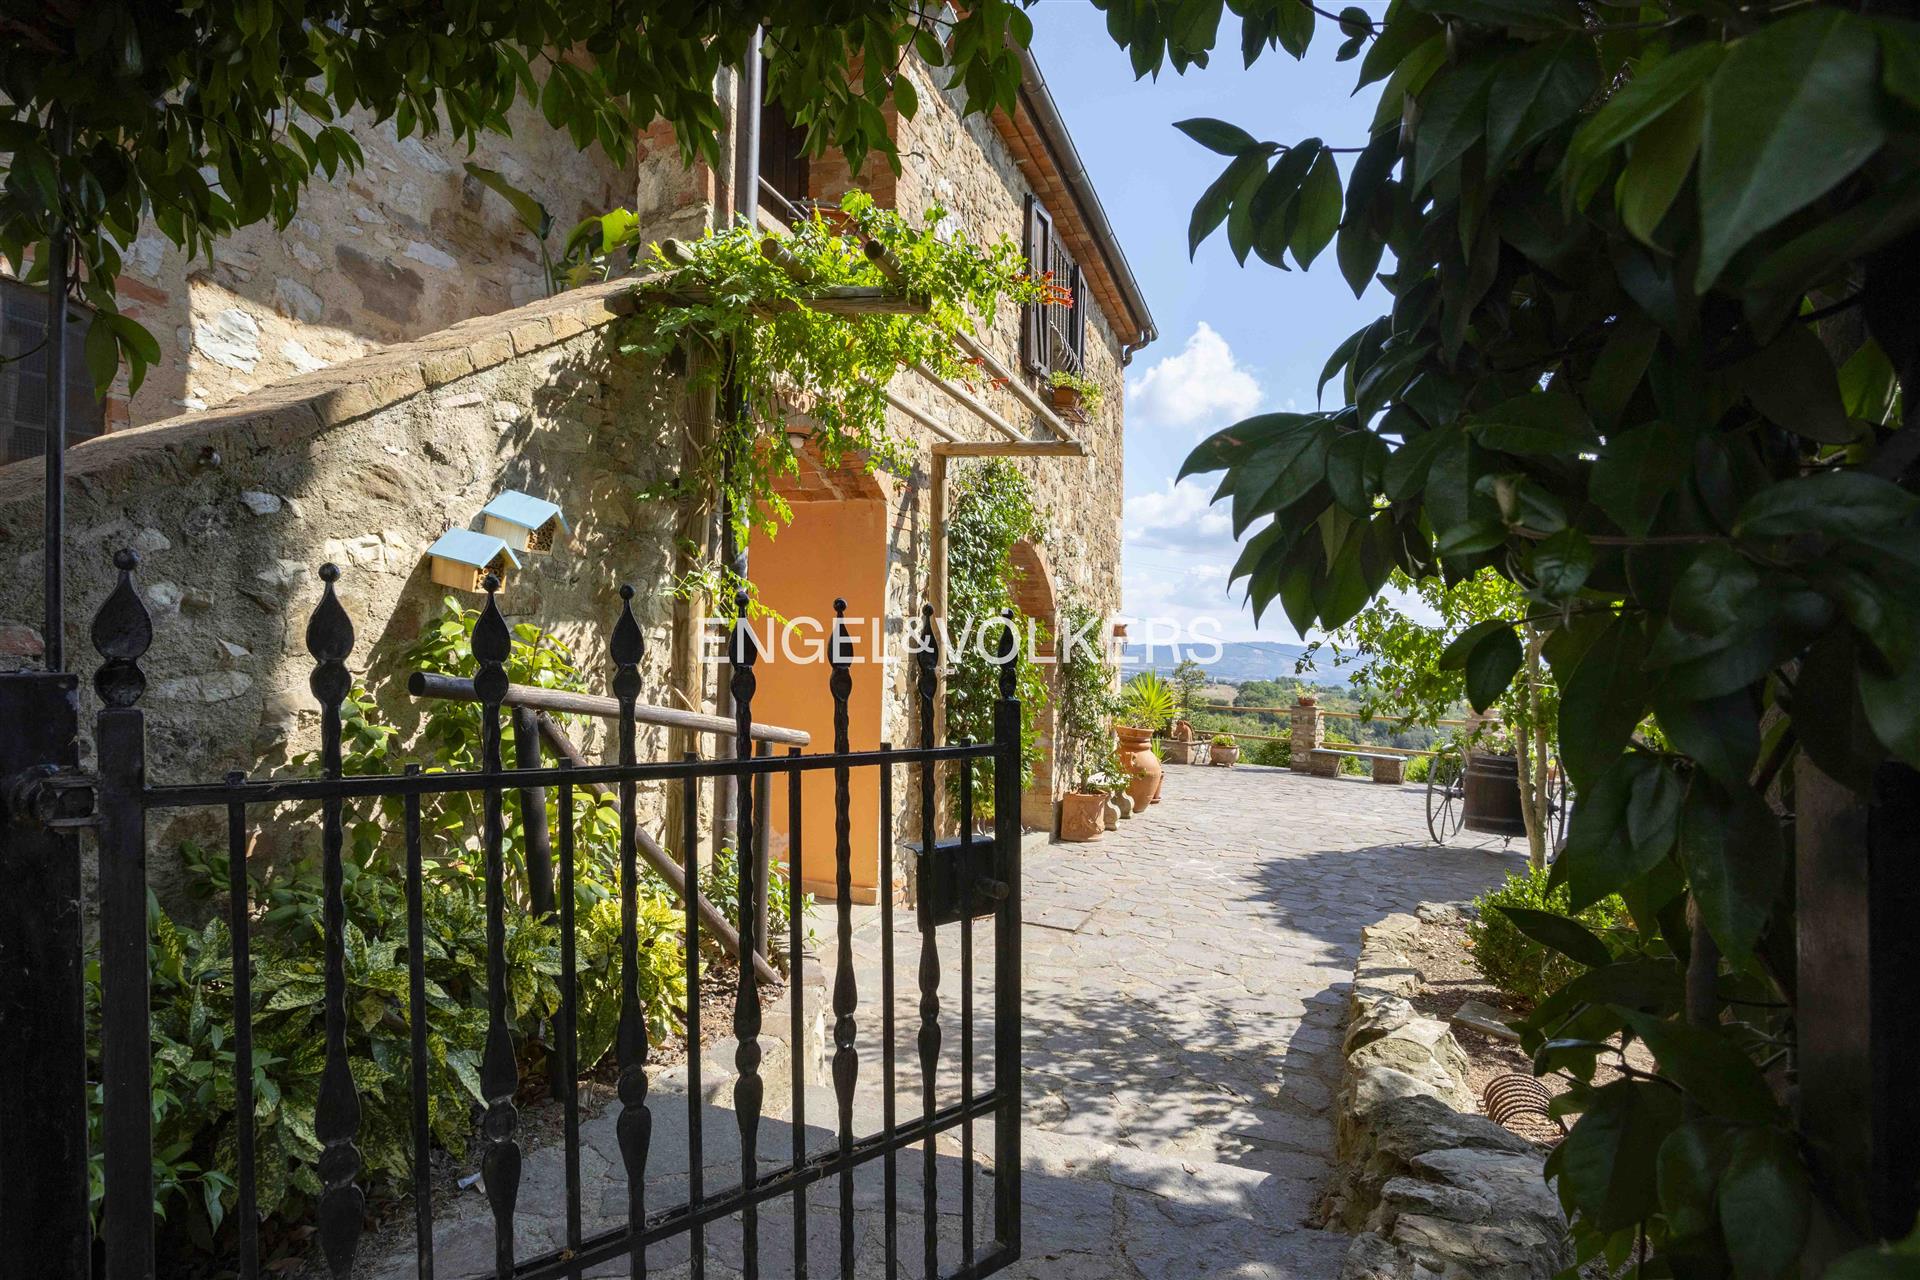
[
  {"x": 966, "y": 1010},
  {"x": 657, "y": 858},
  {"x": 846, "y": 1058},
  {"x": 748, "y": 1089},
  {"x": 246, "y": 1217},
  {"x": 432, "y": 684},
  {"x": 696, "y": 1157},
  {"x": 634, "y": 1128},
  {"x": 796, "y": 1006},
  {"x": 671, "y": 1222},
  {"x": 342, "y": 1205},
  {"x": 53, "y": 536},
  {"x": 1006, "y": 948},
  {"x": 568, "y": 1030},
  {"x": 492, "y": 645},
  {"x": 361, "y": 786},
  {"x": 928, "y": 659},
  {"x": 888, "y": 1031},
  {"x": 122, "y": 633},
  {"x": 417, "y": 1039},
  {"x": 762, "y": 864}
]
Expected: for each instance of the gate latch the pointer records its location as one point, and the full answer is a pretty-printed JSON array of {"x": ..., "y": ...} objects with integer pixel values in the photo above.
[
  {"x": 49, "y": 795},
  {"x": 943, "y": 880}
]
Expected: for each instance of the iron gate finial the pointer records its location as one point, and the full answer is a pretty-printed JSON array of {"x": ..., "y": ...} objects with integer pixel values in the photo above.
[{"x": 122, "y": 634}]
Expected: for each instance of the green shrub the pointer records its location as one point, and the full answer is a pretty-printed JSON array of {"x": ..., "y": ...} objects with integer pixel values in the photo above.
[
  {"x": 1516, "y": 964},
  {"x": 1277, "y": 753},
  {"x": 1419, "y": 768}
]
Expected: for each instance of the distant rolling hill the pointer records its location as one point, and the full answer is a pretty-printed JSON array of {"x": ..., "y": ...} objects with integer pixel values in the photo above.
[{"x": 1238, "y": 661}]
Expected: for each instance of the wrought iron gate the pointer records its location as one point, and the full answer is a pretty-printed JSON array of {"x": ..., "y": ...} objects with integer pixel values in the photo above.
[{"x": 958, "y": 880}]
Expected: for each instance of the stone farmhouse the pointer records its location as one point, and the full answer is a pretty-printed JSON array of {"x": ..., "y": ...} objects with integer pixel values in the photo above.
[{"x": 354, "y": 387}]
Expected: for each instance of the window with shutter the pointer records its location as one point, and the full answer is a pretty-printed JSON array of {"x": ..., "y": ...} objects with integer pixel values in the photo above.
[
  {"x": 783, "y": 157},
  {"x": 1053, "y": 335},
  {"x": 23, "y": 374}
]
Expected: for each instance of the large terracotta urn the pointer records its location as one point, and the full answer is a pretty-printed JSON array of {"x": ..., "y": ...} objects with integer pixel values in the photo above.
[{"x": 1136, "y": 756}]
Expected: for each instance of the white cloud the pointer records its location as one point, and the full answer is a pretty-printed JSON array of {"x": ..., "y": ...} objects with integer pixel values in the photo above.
[
  {"x": 1201, "y": 388},
  {"x": 1178, "y": 550}
]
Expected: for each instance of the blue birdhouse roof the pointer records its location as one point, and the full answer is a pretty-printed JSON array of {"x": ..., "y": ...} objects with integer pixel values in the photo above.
[
  {"x": 525, "y": 510},
  {"x": 465, "y": 546}
]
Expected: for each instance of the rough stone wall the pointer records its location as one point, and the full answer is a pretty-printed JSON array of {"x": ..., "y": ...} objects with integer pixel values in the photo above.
[
  {"x": 406, "y": 246},
  {"x": 233, "y": 510}
]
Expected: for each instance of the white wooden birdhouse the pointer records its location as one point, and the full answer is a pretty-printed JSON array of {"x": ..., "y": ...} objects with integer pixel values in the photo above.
[
  {"x": 524, "y": 522},
  {"x": 462, "y": 559}
]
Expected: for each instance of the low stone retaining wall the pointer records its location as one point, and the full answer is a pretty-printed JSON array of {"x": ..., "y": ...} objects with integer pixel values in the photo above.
[{"x": 1431, "y": 1188}]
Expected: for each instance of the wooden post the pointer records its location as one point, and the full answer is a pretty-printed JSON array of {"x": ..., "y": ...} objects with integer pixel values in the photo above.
[{"x": 692, "y": 546}]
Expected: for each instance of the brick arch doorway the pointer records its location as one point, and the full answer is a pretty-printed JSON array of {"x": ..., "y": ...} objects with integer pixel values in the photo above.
[{"x": 1033, "y": 595}]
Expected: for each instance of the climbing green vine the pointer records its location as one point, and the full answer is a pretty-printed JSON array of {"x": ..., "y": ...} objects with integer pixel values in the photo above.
[{"x": 773, "y": 357}]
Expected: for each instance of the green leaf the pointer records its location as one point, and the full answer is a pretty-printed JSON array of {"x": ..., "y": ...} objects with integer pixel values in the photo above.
[
  {"x": 1791, "y": 112},
  {"x": 1273, "y": 209},
  {"x": 1709, "y": 1065},
  {"x": 1316, "y": 210},
  {"x": 1354, "y": 464},
  {"x": 1765, "y": 1205},
  {"x": 1217, "y": 135},
  {"x": 1636, "y": 471},
  {"x": 1535, "y": 93},
  {"x": 1211, "y": 209},
  {"x": 1722, "y": 734},
  {"x": 1511, "y": 15},
  {"x": 1892, "y": 703},
  {"x": 1562, "y": 562},
  {"x": 1605, "y": 1166},
  {"x": 1560, "y": 933},
  {"x": 1407, "y": 466},
  {"x": 1900, "y": 60},
  {"x": 1599, "y": 858},
  {"x": 1842, "y": 503},
  {"x": 1792, "y": 381},
  {"x": 1453, "y": 118},
  {"x": 1654, "y": 90},
  {"x": 1730, "y": 844},
  {"x": 1539, "y": 422},
  {"x": 1491, "y": 667},
  {"x": 1602, "y": 701},
  {"x": 1662, "y": 157},
  {"x": 1690, "y": 1163}
]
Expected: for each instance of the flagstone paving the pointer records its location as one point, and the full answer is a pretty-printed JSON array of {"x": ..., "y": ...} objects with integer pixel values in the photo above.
[{"x": 1184, "y": 985}]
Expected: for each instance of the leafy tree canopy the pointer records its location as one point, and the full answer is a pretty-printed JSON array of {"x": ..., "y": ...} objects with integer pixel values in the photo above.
[
  {"x": 1651, "y": 273},
  {"x": 204, "y": 116}
]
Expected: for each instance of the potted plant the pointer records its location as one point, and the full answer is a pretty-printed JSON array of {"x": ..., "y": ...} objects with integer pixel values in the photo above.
[
  {"x": 1086, "y": 701},
  {"x": 1224, "y": 751},
  {"x": 1178, "y": 743},
  {"x": 1303, "y": 695},
  {"x": 1146, "y": 707},
  {"x": 1071, "y": 391}
]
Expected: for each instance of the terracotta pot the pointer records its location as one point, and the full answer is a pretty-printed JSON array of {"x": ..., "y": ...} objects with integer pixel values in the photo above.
[
  {"x": 1065, "y": 397},
  {"x": 1307, "y": 700},
  {"x": 1083, "y": 815},
  {"x": 1158, "y": 785},
  {"x": 1224, "y": 755},
  {"x": 1136, "y": 756}
]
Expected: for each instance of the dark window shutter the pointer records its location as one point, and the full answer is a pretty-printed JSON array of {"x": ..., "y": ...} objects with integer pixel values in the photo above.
[
  {"x": 1033, "y": 322},
  {"x": 1077, "y": 320}
]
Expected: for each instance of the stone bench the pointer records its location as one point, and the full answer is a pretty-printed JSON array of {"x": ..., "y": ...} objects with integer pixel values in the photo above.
[{"x": 1324, "y": 762}]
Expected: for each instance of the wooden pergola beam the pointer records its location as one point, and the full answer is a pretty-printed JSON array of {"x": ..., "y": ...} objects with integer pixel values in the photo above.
[
  {"x": 1015, "y": 384},
  {"x": 1010, "y": 449},
  {"x": 972, "y": 402}
]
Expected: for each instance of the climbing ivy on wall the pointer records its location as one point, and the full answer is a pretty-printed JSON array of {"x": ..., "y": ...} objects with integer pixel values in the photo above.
[
  {"x": 991, "y": 508},
  {"x": 1650, "y": 284}
]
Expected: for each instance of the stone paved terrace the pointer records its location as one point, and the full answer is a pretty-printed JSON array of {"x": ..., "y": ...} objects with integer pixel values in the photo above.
[{"x": 1185, "y": 981}]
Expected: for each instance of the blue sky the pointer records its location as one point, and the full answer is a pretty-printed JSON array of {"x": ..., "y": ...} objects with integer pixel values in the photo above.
[{"x": 1233, "y": 340}]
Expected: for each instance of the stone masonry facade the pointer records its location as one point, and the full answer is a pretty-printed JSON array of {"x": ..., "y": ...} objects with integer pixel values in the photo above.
[{"x": 424, "y": 391}]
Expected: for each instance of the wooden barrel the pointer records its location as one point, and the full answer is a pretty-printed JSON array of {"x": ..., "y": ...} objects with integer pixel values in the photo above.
[{"x": 1492, "y": 802}]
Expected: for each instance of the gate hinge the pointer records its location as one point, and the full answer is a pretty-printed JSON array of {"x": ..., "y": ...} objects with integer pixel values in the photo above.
[{"x": 49, "y": 795}]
